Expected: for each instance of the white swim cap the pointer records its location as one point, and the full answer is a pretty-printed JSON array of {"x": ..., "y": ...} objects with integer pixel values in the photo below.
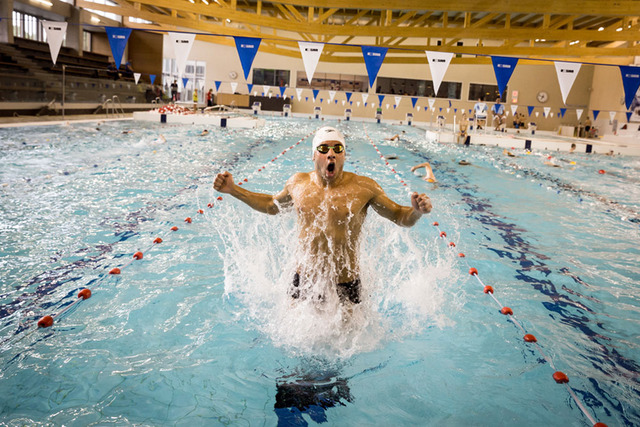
[{"x": 325, "y": 134}]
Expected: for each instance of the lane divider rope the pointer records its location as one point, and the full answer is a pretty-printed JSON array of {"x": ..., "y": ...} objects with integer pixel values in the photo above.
[
  {"x": 86, "y": 293},
  {"x": 558, "y": 376}
]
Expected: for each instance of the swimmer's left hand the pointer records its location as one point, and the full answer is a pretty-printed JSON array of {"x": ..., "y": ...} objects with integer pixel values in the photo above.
[{"x": 421, "y": 203}]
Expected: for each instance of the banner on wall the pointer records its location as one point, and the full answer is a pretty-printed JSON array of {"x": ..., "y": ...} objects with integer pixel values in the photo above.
[
  {"x": 152, "y": 78},
  {"x": 380, "y": 99},
  {"x": 348, "y": 94},
  {"x": 567, "y": 73},
  {"x": 513, "y": 109},
  {"x": 503, "y": 67},
  {"x": 413, "y": 101},
  {"x": 579, "y": 112},
  {"x": 249, "y": 88},
  {"x": 311, "y": 53},
  {"x": 247, "y": 48},
  {"x": 530, "y": 110},
  {"x": 185, "y": 80},
  {"x": 612, "y": 115},
  {"x": 136, "y": 77},
  {"x": 431, "y": 102},
  {"x": 234, "y": 86},
  {"x": 398, "y": 99},
  {"x": 365, "y": 96},
  {"x": 562, "y": 112},
  {"x": 282, "y": 90},
  {"x": 217, "y": 83},
  {"x": 438, "y": 64},
  {"x": 182, "y": 44},
  {"x": 546, "y": 111},
  {"x": 315, "y": 93},
  {"x": 55, "y": 32},
  {"x": 332, "y": 94},
  {"x": 373, "y": 58},
  {"x": 118, "y": 38},
  {"x": 595, "y": 114},
  {"x": 298, "y": 93}
]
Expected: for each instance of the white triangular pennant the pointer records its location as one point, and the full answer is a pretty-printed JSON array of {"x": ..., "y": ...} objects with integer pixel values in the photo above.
[
  {"x": 513, "y": 109},
  {"x": 431, "y": 101},
  {"x": 612, "y": 115},
  {"x": 55, "y": 33},
  {"x": 310, "y": 56},
  {"x": 332, "y": 94},
  {"x": 579, "y": 112},
  {"x": 448, "y": 109},
  {"x": 182, "y": 43},
  {"x": 397, "y": 99},
  {"x": 537, "y": 113},
  {"x": 234, "y": 86},
  {"x": 546, "y": 111},
  {"x": 344, "y": 101},
  {"x": 136, "y": 77},
  {"x": 387, "y": 106},
  {"x": 550, "y": 114},
  {"x": 438, "y": 64},
  {"x": 567, "y": 73},
  {"x": 365, "y": 96},
  {"x": 266, "y": 88},
  {"x": 298, "y": 93},
  {"x": 358, "y": 103}
]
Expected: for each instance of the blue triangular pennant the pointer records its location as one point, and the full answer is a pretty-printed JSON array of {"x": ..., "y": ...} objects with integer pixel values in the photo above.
[
  {"x": 118, "y": 38},
  {"x": 595, "y": 114},
  {"x": 455, "y": 110},
  {"x": 629, "y": 113},
  {"x": 413, "y": 101},
  {"x": 441, "y": 109},
  {"x": 630, "y": 82},
  {"x": 247, "y": 48},
  {"x": 503, "y": 67},
  {"x": 217, "y": 83},
  {"x": 348, "y": 94},
  {"x": 449, "y": 104},
  {"x": 185, "y": 80},
  {"x": 373, "y": 58},
  {"x": 530, "y": 110},
  {"x": 306, "y": 99},
  {"x": 562, "y": 111},
  {"x": 282, "y": 89},
  {"x": 315, "y": 93},
  {"x": 152, "y": 77},
  {"x": 321, "y": 100},
  {"x": 380, "y": 98},
  {"x": 249, "y": 88}
]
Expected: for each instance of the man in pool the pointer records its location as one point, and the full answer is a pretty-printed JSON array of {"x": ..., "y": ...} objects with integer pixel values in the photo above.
[{"x": 331, "y": 206}]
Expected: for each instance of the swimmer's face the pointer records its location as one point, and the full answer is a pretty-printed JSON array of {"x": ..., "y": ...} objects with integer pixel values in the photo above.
[{"x": 329, "y": 165}]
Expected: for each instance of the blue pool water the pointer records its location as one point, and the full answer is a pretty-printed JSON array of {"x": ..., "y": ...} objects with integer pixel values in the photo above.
[{"x": 201, "y": 330}]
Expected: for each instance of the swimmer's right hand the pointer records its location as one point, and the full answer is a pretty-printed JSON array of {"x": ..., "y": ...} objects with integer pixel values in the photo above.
[{"x": 224, "y": 182}]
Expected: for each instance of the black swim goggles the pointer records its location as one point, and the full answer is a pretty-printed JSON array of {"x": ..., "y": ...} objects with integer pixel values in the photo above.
[{"x": 324, "y": 148}]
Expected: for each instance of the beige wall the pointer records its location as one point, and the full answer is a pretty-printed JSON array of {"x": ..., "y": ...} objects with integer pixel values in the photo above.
[{"x": 598, "y": 87}]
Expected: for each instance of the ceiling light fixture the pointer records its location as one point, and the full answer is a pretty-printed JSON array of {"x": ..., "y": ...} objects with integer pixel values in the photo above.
[
  {"x": 601, "y": 29},
  {"x": 205, "y": 2}
]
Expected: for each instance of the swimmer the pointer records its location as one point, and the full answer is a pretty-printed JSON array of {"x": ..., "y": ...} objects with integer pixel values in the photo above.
[
  {"x": 508, "y": 153},
  {"x": 429, "y": 176},
  {"x": 395, "y": 137},
  {"x": 330, "y": 206},
  {"x": 204, "y": 133},
  {"x": 464, "y": 163},
  {"x": 125, "y": 132},
  {"x": 391, "y": 157},
  {"x": 551, "y": 161},
  {"x": 159, "y": 140},
  {"x": 573, "y": 148}
]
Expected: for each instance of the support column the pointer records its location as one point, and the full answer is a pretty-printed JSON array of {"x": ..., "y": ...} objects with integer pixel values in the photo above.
[
  {"x": 6, "y": 25},
  {"x": 74, "y": 31}
]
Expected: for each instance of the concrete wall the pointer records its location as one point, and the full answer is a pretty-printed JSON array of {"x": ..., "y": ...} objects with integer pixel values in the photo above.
[{"x": 596, "y": 87}]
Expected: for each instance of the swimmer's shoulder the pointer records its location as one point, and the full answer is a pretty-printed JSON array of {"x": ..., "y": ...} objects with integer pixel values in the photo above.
[
  {"x": 365, "y": 183},
  {"x": 299, "y": 178}
]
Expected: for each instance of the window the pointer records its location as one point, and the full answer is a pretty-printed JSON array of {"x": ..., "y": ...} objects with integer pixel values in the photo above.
[
  {"x": 328, "y": 81},
  {"x": 488, "y": 92},
  {"x": 411, "y": 87},
  {"x": 86, "y": 41},
  {"x": 195, "y": 71},
  {"x": 264, "y": 76},
  {"x": 28, "y": 27}
]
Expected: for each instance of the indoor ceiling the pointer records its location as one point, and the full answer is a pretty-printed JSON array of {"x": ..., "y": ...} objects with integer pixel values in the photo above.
[{"x": 597, "y": 31}]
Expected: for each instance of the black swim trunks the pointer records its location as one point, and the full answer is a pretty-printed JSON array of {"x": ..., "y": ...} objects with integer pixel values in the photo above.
[{"x": 347, "y": 290}]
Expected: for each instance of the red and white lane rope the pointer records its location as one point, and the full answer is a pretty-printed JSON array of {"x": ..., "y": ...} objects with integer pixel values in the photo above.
[
  {"x": 558, "y": 376},
  {"x": 85, "y": 293}
]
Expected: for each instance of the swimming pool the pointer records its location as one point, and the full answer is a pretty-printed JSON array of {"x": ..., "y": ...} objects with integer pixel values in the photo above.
[{"x": 201, "y": 330}]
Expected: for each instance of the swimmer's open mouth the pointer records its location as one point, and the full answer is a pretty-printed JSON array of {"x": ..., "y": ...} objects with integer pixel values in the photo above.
[{"x": 331, "y": 167}]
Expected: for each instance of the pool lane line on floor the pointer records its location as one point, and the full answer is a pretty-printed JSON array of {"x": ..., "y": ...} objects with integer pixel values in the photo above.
[
  {"x": 558, "y": 376},
  {"x": 85, "y": 293}
]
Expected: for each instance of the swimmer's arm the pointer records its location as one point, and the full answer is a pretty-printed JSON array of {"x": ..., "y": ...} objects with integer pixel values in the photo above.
[
  {"x": 265, "y": 203},
  {"x": 421, "y": 165},
  {"x": 405, "y": 216}
]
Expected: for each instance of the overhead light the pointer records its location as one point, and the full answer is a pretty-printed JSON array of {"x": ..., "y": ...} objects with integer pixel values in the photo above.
[
  {"x": 601, "y": 29},
  {"x": 619, "y": 29},
  {"x": 228, "y": 20},
  {"x": 192, "y": 2},
  {"x": 45, "y": 2},
  {"x": 205, "y": 2}
]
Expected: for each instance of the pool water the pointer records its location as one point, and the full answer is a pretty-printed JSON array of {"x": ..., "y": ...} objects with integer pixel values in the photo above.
[{"x": 201, "y": 330}]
